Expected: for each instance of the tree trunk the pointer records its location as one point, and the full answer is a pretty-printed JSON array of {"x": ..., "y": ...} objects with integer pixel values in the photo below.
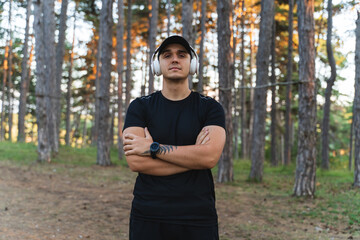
[
  {"x": 95, "y": 130},
  {"x": 328, "y": 90},
  {"x": 44, "y": 148},
  {"x": 273, "y": 132},
  {"x": 128, "y": 58},
  {"x": 262, "y": 78},
  {"x": 6, "y": 69},
  {"x": 188, "y": 32},
  {"x": 250, "y": 106},
  {"x": 288, "y": 145},
  {"x": 225, "y": 166},
  {"x": 306, "y": 157},
  {"x": 200, "y": 86},
  {"x": 351, "y": 150},
  {"x": 120, "y": 69},
  {"x": 103, "y": 143},
  {"x": 51, "y": 97},
  {"x": 152, "y": 38},
  {"x": 24, "y": 85},
  {"x": 168, "y": 14},
  {"x": 10, "y": 82},
  {"x": 83, "y": 143},
  {"x": 69, "y": 84},
  {"x": 244, "y": 145},
  {"x": 60, "y": 51},
  {"x": 356, "y": 113}
]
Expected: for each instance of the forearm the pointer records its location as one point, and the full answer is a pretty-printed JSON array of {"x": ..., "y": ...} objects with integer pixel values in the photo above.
[
  {"x": 191, "y": 157},
  {"x": 150, "y": 166}
]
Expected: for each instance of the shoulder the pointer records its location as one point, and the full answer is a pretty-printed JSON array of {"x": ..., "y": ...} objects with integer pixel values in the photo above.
[
  {"x": 143, "y": 100},
  {"x": 209, "y": 102}
]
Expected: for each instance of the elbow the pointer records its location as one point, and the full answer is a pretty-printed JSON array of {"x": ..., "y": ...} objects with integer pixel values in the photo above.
[
  {"x": 132, "y": 165},
  {"x": 211, "y": 162}
]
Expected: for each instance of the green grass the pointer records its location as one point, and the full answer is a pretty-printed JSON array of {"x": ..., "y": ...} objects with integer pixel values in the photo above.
[{"x": 26, "y": 153}]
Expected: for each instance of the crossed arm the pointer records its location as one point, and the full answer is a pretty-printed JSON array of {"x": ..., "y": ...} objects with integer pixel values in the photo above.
[{"x": 173, "y": 159}]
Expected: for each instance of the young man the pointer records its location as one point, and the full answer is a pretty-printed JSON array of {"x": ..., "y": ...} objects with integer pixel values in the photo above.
[{"x": 172, "y": 138}]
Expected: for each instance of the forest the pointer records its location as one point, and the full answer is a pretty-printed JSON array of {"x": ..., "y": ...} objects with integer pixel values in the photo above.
[{"x": 287, "y": 74}]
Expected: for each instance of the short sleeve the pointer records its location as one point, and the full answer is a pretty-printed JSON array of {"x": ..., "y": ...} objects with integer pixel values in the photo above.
[
  {"x": 135, "y": 116},
  {"x": 215, "y": 114}
]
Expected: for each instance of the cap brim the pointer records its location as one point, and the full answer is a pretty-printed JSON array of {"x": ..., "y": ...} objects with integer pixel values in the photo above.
[{"x": 174, "y": 39}]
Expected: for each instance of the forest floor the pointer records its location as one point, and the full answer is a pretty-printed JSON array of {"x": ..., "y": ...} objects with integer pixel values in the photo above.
[{"x": 59, "y": 200}]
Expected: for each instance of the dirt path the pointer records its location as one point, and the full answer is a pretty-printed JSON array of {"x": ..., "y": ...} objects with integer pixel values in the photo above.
[{"x": 59, "y": 202}]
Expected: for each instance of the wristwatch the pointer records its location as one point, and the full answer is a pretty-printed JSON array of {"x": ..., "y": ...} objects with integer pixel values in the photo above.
[{"x": 154, "y": 149}]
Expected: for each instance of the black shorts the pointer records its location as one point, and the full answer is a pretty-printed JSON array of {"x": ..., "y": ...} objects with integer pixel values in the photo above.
[{"x": 147, "y": 230}]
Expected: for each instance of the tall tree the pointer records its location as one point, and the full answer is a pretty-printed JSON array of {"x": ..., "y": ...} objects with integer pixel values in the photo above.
[
  {"x": 262, "y": 78},
  {"x": 152, "y": 38},
  {"x": 202, "y": 41},
  {"x": 69, "y": 84},
  {"x": 128, "y": 57},
  {"x": 328, "y": 91},
  {"x": 10, "y": 74},
  {"x": 43, "y": 148},
  {"x": 60, "y": 51},
  {"x": 120, "y": 69},
  {"x": 273, "y": 132},
  {"x": 356, "y": 109},
  {"x": 287, "y": 147},
  {"x": 168, "y": 14},
  {"x": 244, "y": 142},
  {"x": 6, "y": 69},
  {"x": 225, "y": 166},
  {"x": 49, "y": 46},
  {"x": 187, "y": 31},
  {"x": 306, "y": 157},
  {"x": 103, "y": 143},
  {"x": 24, "y": 85}
]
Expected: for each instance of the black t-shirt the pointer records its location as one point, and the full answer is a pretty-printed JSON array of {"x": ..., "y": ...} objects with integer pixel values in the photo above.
[{"x": 184, "y": 198}]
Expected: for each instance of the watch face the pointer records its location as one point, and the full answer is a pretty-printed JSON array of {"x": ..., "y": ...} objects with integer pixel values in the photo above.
[{"x": 154, "y": 147}]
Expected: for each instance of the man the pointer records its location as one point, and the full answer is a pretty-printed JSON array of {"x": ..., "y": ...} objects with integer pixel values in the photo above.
[{"x": 172, "y": 138}]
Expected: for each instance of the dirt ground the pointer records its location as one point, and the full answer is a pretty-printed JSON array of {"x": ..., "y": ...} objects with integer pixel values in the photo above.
[{"x": 53, "y": 201}]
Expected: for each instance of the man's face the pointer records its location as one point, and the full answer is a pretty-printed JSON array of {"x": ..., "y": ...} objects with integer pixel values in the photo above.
[{"x": 175, "y": 62}]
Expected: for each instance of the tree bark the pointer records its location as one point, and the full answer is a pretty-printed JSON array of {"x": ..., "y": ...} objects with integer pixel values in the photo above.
[
  {"x": 51, "y": 97},
  {"x": 225, "y": 165},
  {"x": 103, "y": 143},
  {"x": 188, "y": 32},
  {"x": 44, "y": 148},
  {"x": 6, "y": 69},
  {"x": 262, "y": 78},
  {"x": 306, "y": 158},
  {"x": 10, "y": 74},
  {"x": 60, "y": 51},
  {"x": 69, "y": 84},
  {"x": 273, "y": 132},
  {"x": 288, "y": 145},
  {"x": 120, "y": 69},
  {"x": 244, "y": 140},
  {"x": 200, "y": 86},
  {"x": 128, "y": 58},
  {"x": 328, "y": 91},
  {"x": 24, "y": 85},
  {"x": 356, "y": 113},
  {"x": 152, "y": 38},
  {"x": 168, "y": 15}
]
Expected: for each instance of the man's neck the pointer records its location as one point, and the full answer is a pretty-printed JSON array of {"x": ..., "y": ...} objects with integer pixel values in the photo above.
[{"x": 175, "y": 91}]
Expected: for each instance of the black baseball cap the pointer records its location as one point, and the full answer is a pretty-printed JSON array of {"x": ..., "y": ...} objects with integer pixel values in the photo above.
[{"x": 175, "y": 39}]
